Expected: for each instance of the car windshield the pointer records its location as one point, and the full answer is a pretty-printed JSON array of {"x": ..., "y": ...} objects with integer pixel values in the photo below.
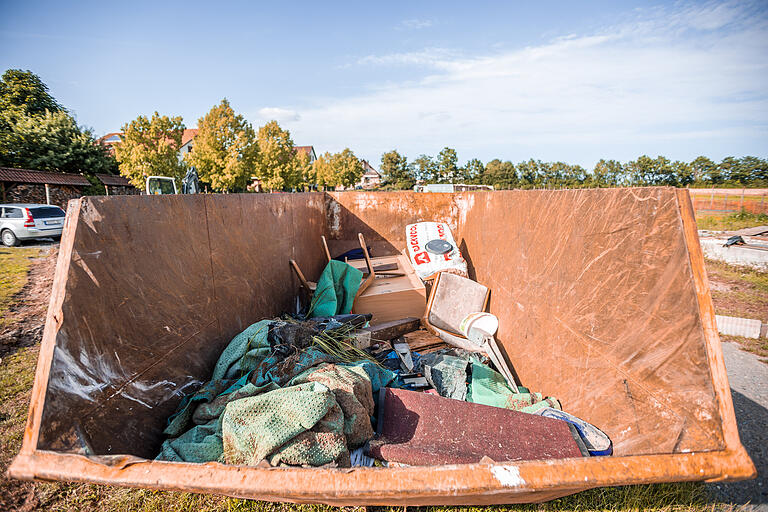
[{"x": 46, "y": 212}]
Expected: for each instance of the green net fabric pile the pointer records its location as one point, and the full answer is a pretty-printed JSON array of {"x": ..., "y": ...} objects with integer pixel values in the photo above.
[{"x": 302, "y": 408}]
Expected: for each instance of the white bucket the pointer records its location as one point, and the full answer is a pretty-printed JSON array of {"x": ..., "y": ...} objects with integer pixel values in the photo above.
[{"x": 478, "y": 326}]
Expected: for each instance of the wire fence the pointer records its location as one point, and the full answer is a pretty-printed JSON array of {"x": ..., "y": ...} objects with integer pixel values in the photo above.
[{"x": 719, "y": 201}]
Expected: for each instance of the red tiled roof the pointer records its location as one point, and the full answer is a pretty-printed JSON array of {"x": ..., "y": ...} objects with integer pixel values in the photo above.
[
  {"x": 51, "y": 178},
  {"x": 113, "y": 180},
  {"x": 303, "y": 149},
  {"x": 188, "y": 135}
]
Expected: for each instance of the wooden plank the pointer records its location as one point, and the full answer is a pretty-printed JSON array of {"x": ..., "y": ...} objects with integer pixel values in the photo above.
[
  {"x": 393, "y": 329},
  {"x": 424, "y": 342}
]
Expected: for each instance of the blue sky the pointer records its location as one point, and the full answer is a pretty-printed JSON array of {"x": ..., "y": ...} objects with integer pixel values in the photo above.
[{"x": 572, "y": 81}]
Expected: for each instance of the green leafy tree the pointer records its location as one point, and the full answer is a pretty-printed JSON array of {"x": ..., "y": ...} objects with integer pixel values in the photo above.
[
  {"x": 226, "y": 150},
  {"x": 397, "y": 173},
  {"x": 25, "y": 93},
  {"x": 53, "y": 142},
  {"x": 607, "y": 173},
  {"x": 727, "y": 167},
  {"x": 703, "y": 169},
  {"x": 530, "y": 174},
  {"x": 755, "y": 171},
  {"x": 681, "y": 174},
  {"x": 150, "y": 147},
  {"x": 448, "y": 170},
  {"x": 500, "y": 174},
  {"x": 275, "y": 163},
  {"x": 425, "y": 168},
  {"x": 36, "y": 132},
  {"x": 473, "y": 170}
]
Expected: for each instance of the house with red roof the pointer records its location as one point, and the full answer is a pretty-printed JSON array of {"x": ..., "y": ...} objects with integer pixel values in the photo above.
[{"x": 309, "y": 150}]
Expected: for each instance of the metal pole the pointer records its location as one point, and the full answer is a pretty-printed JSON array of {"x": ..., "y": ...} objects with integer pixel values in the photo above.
[
  {"x": 712, "y": 198},
  {"x": 47, "y": 194},
  {"x": 741, "y": 205}
]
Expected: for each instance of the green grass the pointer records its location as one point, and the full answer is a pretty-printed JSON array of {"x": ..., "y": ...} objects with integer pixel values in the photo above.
[
  {"x": 14, "y": 267},
  {"x": 755, "y": 278},
  {"x": 731, "y": 222}
]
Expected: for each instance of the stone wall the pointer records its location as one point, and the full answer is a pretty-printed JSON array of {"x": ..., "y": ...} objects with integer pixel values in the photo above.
[
  {"x": 117, "y": 190},
  {"x": 35, "y": 193}
]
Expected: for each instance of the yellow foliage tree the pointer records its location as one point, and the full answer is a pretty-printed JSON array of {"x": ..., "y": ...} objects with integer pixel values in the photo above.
[
  {"x": 276, "y": 164},
  {"x": 332, "y": 170},
  {"x": 225, "y": 149},
  {"x": 348, "y": 168},
  {"x": 150, "y": 147},
  {"x": 323, "y": 169},
  {"x": 304, "y": 171}
]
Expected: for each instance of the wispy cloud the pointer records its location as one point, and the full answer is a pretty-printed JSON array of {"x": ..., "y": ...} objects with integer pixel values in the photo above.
[
  {"x": 428, "y": 56},
  {"x": 278, "y": 114},
  {"x": 414, "y": 24},
  {"x": 691, "y": 77}
]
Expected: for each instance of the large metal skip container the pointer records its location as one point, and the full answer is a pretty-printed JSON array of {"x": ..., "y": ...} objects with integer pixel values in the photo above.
[{"x": 601, "y": 295}]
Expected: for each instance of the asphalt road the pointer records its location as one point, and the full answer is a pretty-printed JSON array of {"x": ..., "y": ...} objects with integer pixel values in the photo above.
[{"x": 749, "y": 388}]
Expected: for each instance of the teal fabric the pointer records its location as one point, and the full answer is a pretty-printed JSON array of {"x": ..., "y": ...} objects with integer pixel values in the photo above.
[
  {"x": 488, "y": 387},
  {"x": 244, "y": 349},
  {"x": 247, "y": 367},
  {"x": 336, "y": 289}
]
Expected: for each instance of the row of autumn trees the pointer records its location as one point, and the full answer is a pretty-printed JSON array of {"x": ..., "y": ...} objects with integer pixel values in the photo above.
[
  {"x": 227, "y": 153},
  {"x": 748, "y": 171},
  {"x": 37, "y": 132}
]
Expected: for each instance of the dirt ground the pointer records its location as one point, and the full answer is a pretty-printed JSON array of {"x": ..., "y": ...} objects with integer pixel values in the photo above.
[{"x": 19, "y": 343}]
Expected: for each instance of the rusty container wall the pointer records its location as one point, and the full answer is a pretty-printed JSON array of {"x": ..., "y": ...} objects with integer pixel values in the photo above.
[{"x": 602, "y": 299}]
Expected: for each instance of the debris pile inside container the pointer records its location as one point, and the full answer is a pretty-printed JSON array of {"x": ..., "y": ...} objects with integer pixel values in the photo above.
[{"x": 385, "y": 361}]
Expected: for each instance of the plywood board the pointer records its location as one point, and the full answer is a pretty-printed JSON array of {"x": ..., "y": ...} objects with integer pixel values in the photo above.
[{"x": 393, "y": 298}]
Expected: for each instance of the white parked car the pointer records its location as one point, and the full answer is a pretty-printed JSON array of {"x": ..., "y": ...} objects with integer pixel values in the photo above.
[{"x": 19, "y": 222}]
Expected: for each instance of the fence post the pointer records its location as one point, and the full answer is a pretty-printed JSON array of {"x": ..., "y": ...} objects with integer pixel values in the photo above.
[
  {"x": 725, "y": 201},
  {"x": 741, "y": 205},
  {"x": 712, "y": 198}
]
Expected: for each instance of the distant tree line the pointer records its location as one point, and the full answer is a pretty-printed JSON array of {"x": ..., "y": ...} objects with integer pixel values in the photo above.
[
  {"x": 399, "y": 174},
  {"x": 228, "y": 154}
]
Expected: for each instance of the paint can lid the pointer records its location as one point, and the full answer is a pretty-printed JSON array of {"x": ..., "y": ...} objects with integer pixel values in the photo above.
[{"x": 438, "y": 246}]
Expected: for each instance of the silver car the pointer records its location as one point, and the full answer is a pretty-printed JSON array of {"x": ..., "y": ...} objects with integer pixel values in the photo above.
[{"x": 20, "y": 222}]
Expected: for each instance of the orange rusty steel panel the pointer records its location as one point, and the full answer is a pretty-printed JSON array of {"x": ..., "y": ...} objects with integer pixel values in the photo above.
[{"x": 602, "y": 298}]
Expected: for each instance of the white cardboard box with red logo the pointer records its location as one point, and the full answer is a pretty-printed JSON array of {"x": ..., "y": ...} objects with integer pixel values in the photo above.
[{"x": 427, "y": 264}]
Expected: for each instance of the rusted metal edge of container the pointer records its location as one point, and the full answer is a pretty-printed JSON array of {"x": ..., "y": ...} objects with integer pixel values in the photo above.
[{"x": 529, "y": 481}]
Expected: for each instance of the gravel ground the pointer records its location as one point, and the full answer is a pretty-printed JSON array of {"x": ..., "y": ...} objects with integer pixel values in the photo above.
[{"x": 749, "y": 388}]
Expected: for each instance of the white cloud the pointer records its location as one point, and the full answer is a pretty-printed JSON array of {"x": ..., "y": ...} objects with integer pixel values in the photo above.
[
  {"x": 278, "y": 114},
  {"x": 414, "y": 24},
  {"x": 427, "y": 57},
  {"x": 690, "y": 78}
]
